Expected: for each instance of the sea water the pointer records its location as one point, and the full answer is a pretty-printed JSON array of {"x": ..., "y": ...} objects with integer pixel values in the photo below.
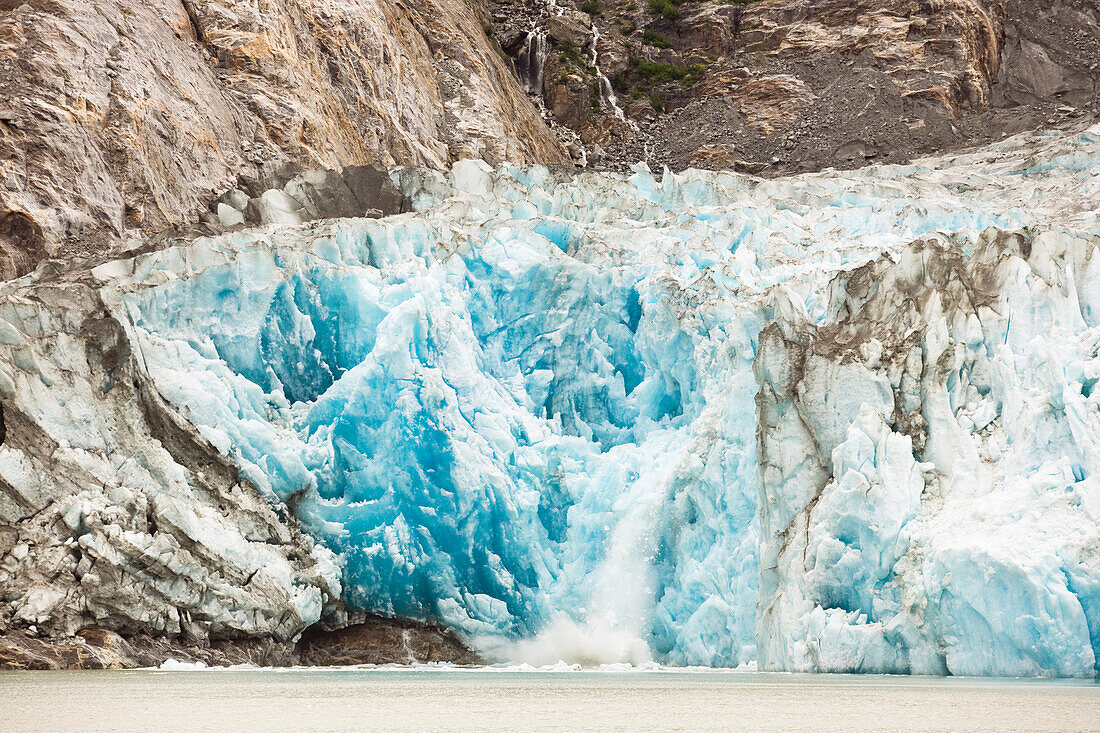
[{"x": 496, "y": 699}]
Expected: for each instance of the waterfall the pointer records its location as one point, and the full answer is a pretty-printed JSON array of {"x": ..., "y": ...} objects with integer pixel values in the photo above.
[
  {"x": 532, "y": 60},
  {"x": 607, "y": 92},
  {"x": 531, "y": 64},
  {"x": 530, "y": 68}
]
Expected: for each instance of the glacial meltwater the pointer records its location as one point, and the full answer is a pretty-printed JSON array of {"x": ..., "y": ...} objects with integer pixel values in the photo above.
[{"x": 492, "y": 699}]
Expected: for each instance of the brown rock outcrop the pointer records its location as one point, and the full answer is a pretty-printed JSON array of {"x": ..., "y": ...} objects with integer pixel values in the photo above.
[
  {"x": 946, "y": 49},
  {"x": 569, "y": 92},
  {"x": 383, "y": 641},
  {"x": 796, "y": 85},
  {"x": 571, "y": 27},
  {"x": 374, "y": 640}
]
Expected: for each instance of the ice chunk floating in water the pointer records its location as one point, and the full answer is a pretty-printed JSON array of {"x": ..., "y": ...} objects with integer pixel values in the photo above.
[{"x": 530, "y": 409}]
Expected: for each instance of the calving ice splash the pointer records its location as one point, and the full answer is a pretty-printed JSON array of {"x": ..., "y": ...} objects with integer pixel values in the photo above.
[{"x": 843, "y": 421}]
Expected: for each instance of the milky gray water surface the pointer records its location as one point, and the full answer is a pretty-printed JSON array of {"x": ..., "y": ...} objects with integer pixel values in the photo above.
[{"x": 494, "y": 700}]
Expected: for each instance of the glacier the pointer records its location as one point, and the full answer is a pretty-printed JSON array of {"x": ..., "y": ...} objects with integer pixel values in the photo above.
[{"x": 844, "y": 421}]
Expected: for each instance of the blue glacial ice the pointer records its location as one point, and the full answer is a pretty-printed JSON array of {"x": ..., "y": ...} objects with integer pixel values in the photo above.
[{"x": 528, "y": 409}]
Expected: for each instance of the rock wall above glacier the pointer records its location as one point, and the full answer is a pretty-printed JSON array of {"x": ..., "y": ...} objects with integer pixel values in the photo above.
[
  {"x": 125, "y": 117},
  {"x": 788, "y": 86}
]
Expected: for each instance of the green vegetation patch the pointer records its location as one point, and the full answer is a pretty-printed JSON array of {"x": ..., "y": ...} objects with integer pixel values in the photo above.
[
  {"x": 654, "y": 38},
  {"x": 662, "y": 73},
  {"x": 574, "y": 56},
  {"x": 666, "y": 8}
]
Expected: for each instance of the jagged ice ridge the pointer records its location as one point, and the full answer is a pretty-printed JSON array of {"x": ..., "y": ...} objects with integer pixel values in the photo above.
[{"x": 844, "y": 421}]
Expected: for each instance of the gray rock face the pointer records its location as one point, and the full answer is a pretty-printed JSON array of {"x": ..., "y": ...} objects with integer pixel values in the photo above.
[
  {"x": 371, "y": 640},
  {"x": 570, "y": 27},
  {"x": 121, "y": 118},
  {"x": 355, "y": 191},
  {"x": 95, "y": 648},
  {"x": 1051, "y": 53},
  {"x": 876, "y": 82}
]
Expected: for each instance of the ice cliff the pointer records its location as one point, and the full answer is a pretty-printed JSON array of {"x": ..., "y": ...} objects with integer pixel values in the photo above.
[{"x": 838, "y": 422}]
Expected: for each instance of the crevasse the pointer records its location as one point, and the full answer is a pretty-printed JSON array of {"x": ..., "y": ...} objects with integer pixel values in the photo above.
[{"x": 528, "y": 409}]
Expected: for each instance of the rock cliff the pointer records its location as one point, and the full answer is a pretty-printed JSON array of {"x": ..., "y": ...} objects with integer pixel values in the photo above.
[
  {"x": 780, "y": 86},
  {"x": 128, "y": 118}
]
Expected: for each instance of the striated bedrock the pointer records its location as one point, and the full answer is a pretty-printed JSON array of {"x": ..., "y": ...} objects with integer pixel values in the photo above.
[
  {"x": 843, "y": 421},
  {"x": 123, "y": 118},
  {"x": 947, "y": 50}
]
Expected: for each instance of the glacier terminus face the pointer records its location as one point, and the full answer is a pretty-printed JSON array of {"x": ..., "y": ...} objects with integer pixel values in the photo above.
[{"x": 837, "y": 422}]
